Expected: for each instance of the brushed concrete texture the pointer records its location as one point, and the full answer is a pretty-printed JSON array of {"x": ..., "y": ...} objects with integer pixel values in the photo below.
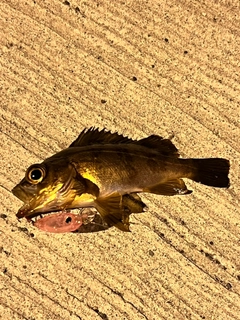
[{"x": 138, "y": 68}]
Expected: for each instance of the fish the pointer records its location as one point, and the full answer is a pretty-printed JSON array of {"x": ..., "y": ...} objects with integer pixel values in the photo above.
[
  {"x": 60, "y": 222},
  {"x": 65, "y": 221},
  {"x": 88, "y": 220},
  {"x": 107, "y": 171},
  {"x": 81, "y": 220}
]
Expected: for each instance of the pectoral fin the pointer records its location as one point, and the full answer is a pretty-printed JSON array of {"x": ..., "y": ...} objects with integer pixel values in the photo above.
[
  {"x": 169, "y": 188},
  {"x": 112, "y": 211}
]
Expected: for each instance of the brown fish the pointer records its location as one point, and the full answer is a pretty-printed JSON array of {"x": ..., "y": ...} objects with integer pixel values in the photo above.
[{"x": 106, "y": 170}]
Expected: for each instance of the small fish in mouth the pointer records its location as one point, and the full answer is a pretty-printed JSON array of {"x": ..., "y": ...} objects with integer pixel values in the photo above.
[
  {"x": 68, "y": 221},
  {"x": 107, "y": 171},
  {"x": 60, "y": 222}
]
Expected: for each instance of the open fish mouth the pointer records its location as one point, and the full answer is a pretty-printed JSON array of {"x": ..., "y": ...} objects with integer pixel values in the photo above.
[
  {"x": 27, "y": 212},
  {"x": 82, "y": 220},
  {"x": 23, "y": 212}
]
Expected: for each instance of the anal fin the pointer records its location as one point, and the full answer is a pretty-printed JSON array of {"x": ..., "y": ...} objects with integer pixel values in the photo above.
[
  {"x": 169, "y": 188},
  {"x": 132, "y": 203}
]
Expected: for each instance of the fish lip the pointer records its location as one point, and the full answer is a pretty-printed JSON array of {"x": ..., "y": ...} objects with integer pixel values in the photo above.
[
  {"x": 26, "y": 212},
  {"x": 28, "y": 208},
  {"x": 19, "y": 192},
  {"x": 22, "y": 213}
]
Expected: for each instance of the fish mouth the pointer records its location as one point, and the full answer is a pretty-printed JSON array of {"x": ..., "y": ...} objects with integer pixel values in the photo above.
[
  {"x": 33, "y": 217},
  {"x": 39, "y": 207},
  {"x": 21, "y": 194},
  {"x": 61, "y": 197},
  {"x": 33, "y": 208},
  {"x": 68, "y": 220},
  {"x": 23, "y": 213}
]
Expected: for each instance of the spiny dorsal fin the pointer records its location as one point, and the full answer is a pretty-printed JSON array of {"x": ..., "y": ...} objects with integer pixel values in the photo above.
[
  {"x": 163, "y": 146},
  {"x": 96, "y": 136}
]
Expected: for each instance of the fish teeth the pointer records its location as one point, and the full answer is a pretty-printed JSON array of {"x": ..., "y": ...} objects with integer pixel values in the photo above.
[{"x": 42, "y": 215}]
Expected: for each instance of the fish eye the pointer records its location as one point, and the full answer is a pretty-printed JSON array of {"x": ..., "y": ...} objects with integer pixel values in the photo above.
[{"x": 35, "y": 174}]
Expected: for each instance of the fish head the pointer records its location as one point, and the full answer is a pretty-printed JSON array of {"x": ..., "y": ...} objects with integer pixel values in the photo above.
[{"x": 48, "y": 187}]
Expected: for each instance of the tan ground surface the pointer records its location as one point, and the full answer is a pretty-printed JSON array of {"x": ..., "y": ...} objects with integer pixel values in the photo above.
[{"x": 139, "y": 68}]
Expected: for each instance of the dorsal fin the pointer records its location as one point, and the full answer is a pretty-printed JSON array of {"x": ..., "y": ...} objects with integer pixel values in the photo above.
[
  {"x": 96, "y": 136},
  {"x": 163, "y": 146}
]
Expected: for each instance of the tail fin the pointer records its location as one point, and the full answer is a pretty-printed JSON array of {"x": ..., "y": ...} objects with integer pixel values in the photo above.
[{"x": 211, "y": 172}]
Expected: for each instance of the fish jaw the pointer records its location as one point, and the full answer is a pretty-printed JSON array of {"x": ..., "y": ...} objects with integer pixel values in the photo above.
[{"x": 50, "y": 198}]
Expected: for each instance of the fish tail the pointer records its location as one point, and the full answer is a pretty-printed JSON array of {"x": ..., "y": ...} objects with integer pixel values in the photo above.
[{"x": 211, "y": 172}]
